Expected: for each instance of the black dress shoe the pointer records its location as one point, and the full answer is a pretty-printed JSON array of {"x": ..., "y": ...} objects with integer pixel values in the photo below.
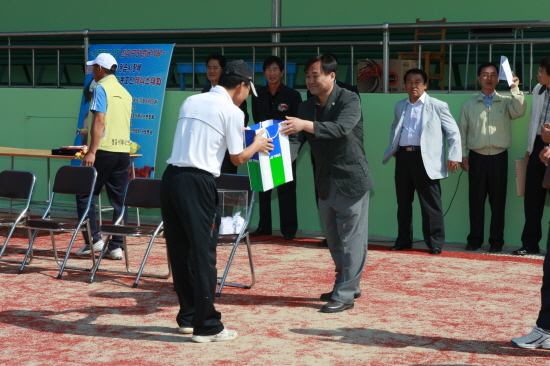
[
  {"x": 525, "y": 251},
  {"x": 323, "y": 243},
  {"x": 472, "y": 247},
  {"x": 259, "y": 232},
  {"x": 435, "y": 251},
  {"x": 401, "y": 247},
  {"x": 335, "y": 307},
  {"x": 288, "y": 237},
  {"x": 495, "y": 249},
  {"x": 327, "y": 296}
]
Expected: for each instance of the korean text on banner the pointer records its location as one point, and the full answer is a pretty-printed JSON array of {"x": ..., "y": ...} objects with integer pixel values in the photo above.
[
  {"x": 142, "y": 70},
  {"x": 269, "y": 171}
]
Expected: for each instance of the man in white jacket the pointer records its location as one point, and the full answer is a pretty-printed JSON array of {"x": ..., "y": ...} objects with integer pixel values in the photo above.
[
  {"x": 421, "y": 126},
  {"x": 535, "y": 195}
]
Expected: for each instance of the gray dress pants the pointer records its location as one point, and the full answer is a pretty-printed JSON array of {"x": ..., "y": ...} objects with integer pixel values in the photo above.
[{"x": 345, "y": 220}]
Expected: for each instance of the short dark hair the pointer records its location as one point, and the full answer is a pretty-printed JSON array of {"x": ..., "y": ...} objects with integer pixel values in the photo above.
[
  {"x": 484, "y": 65},
  {"x": 107, "y": 71},
  {"x": 333, "y": 56},
  {"x": 545, "y": 62},
  {"x": 217, "y": 56},
  {"x": 328, "y": 63},
  {"x": 231, "y": 81},
  {"x": 416, "y": 71},
  {"x": 111, "y": 71},
  {"x": 274, "y": 59}
]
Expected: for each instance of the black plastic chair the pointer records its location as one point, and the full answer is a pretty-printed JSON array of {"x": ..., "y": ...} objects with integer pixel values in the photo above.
[
  {"x": 141, "y": 193},
  {"x": 234, "y": 182},
  {"x": 71, "y": 181},
  {"x": 18, "y": 186}
]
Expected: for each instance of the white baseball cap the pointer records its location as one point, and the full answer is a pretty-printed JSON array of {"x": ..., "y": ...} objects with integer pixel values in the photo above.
[{"x": 105, "y": 60}]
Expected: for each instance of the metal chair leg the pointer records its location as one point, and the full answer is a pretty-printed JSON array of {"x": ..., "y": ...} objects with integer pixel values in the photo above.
[
  {"x": 222, "y": 279},
  {"x": 28, "y": 252},
  {"x": 73, "y": 239},
  {"x": 101, "y": 252},
  {"x": 142, "y": 266},
  {"x": 68, "y": 253},
  {"x": 12, "y": 230},
  {"x": 252, "y": 272},
  {"x": 7, "y": 239}
]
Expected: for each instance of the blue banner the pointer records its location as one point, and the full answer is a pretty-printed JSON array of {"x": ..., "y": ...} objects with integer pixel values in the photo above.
[{"x": 142, "y": 70}]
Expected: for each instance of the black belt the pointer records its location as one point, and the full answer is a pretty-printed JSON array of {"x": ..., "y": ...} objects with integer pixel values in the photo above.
[{"x": 409, "y": 148}]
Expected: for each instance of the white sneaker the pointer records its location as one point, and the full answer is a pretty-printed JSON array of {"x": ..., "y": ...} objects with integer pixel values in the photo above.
[
  {"x": 186, "y": 330},
  {"x": 224, "y": 335},
  {"x": 85, "y": 250},
  {"x": 537, "y": 338},
  {"x": 115, "y": 254}
]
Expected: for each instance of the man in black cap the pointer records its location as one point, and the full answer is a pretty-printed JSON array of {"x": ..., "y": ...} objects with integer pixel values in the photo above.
[
  {"x": 208, "y": 125},
  {"x": 215, "y": 63}
]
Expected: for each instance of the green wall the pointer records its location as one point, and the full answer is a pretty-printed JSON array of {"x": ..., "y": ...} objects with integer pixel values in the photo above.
[
  {"x": 46, "y": 118},
  {"x": 59, "y": 15},
  {"x": 322, "y": 12}
]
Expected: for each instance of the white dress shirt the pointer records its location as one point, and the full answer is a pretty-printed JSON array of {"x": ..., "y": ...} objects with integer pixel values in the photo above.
[{"x": 412, "y": 122}]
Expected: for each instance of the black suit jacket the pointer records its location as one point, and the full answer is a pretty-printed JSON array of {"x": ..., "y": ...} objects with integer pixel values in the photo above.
[
  {"x": 243, "y": 106},
  {"x": 337, "y": 144},
  {"x": 286, "y": 103}
]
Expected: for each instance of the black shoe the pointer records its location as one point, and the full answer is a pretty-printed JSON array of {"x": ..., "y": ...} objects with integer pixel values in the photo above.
[
  {"x": 472, "y": 247},
  {"x": 435, "y": 251},
  {"x": 288, "y": 237},
  {"x": 401, "y": 247},
  {"x": 259, "y": 232},
  {"x": 525, "y": 251},
  {"x": 495, "y": 249},
  {"x": 327, "y": 296},
  {"x": 335, "y": 307},
  {"x": 323, "y": 243}
]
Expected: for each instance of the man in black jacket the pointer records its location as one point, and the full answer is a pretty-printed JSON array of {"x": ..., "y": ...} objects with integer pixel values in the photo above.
[
  {"x": 341, "y": 84},
  {"x": 277, "y": 101},
  {"x": 333, "y": 125}
]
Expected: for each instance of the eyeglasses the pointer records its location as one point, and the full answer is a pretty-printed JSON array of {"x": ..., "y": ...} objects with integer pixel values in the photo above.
[{"x": 541, "y": 73}]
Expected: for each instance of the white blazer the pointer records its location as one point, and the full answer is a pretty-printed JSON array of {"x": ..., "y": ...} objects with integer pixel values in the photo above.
[
  {"x": 437, "y": 125},
  {"x": 534, "y": 120}
]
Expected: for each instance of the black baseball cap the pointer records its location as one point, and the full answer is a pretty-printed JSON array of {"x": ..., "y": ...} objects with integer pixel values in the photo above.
[{"x": 240, "y": 69}]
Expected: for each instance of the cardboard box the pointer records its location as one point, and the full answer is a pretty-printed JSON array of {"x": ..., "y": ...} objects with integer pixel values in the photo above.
[{"x": 370, "y": 72}]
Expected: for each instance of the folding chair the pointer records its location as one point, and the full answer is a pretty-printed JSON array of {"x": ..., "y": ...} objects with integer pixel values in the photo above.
[
  {"x": 233, "y": 182},
  {"x": 69, "y": 180},
  {"x": 15, "y": 185},
  {"x": 141, "y": 193}
]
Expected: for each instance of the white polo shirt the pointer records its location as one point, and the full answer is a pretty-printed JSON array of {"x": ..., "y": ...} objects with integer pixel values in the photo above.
[{"x": 208, "y": 125}]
